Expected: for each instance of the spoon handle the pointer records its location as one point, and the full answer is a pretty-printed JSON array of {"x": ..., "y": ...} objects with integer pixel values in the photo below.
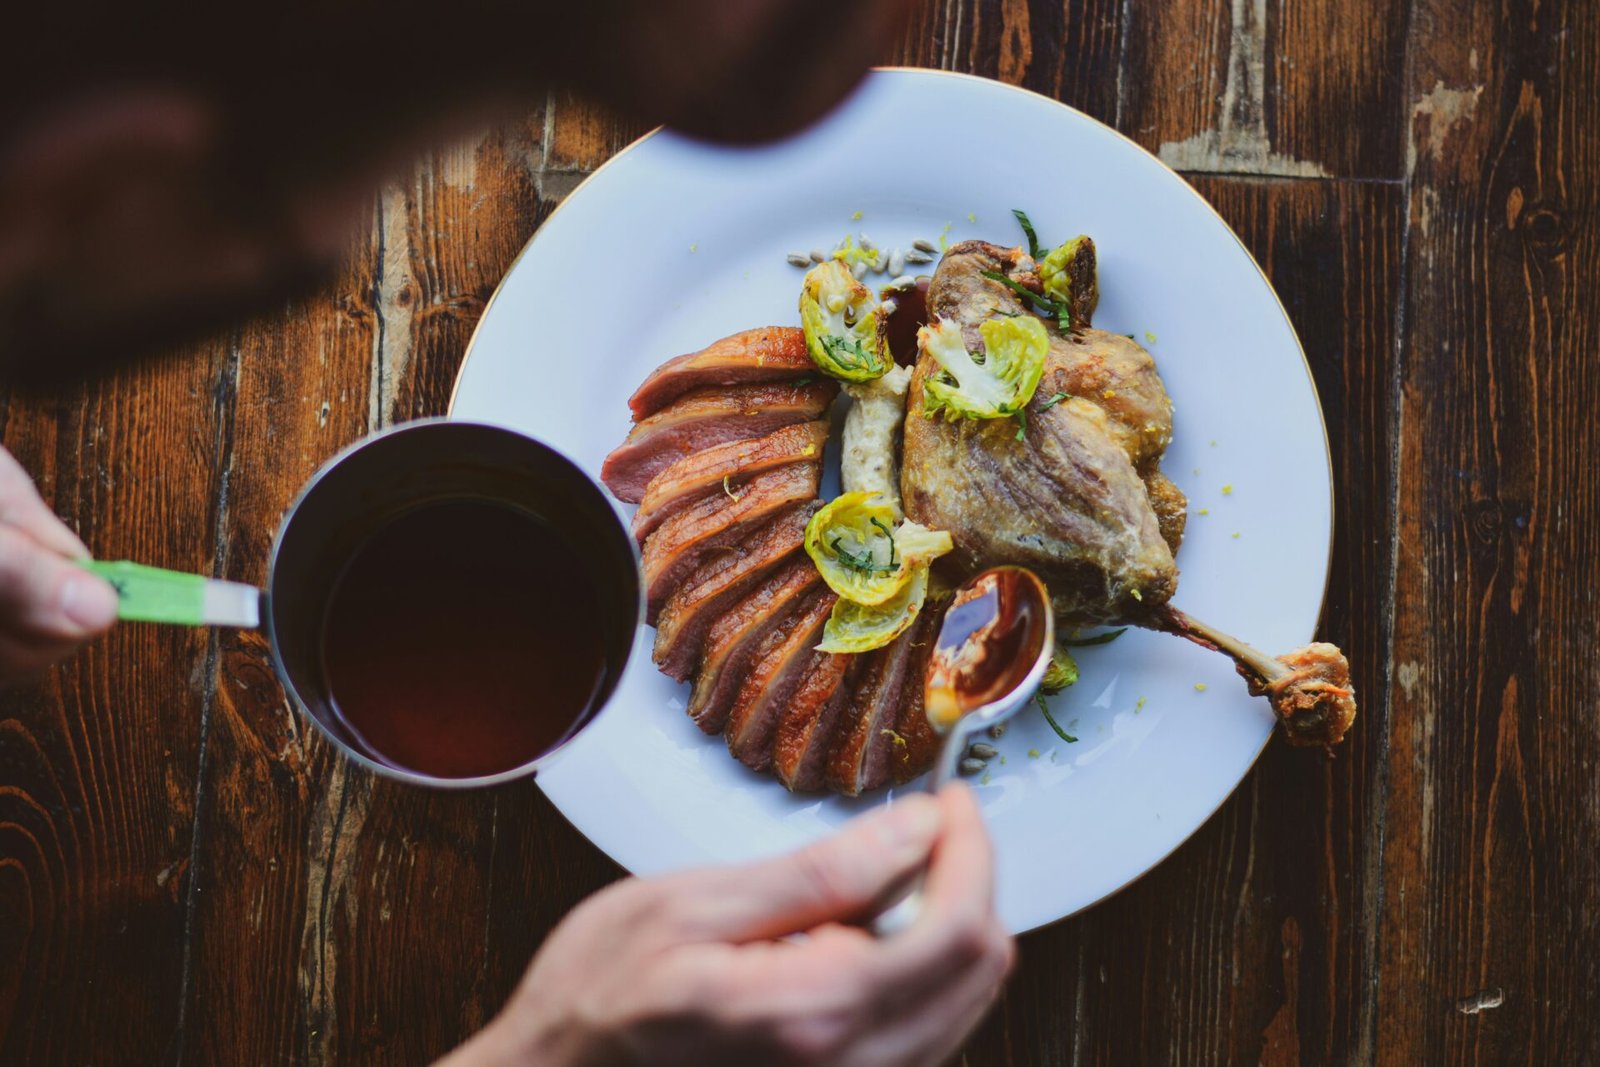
[
  {"x": 906, "y": 907},
  {"x": 150, "y": 594}
]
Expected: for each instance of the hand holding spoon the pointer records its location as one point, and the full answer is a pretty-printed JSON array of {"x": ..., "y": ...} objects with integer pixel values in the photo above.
[{"x": 990, "y": 655}]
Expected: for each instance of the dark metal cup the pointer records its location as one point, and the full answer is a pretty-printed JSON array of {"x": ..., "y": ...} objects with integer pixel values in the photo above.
[{"x": 374, "y": 481}]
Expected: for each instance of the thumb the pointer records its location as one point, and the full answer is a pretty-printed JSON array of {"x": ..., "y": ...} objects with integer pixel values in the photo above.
[
  {"x": 45, "y": 598},
  {"x": 836, "y": 879}
]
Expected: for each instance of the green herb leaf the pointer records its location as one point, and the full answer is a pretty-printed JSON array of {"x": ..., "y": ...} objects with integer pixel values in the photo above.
[
  {"x": 1027, "y": 228},
  {"x": 1098, "y": 639},
  {"x": 1044, "y": 304},
  {"x": 1055, "y": 399},
  {"x": 883, "y": 528},
  {"x": 807, "y": 380},
  {"x": 1022, "y": 424},
  {"x": 1051, "y": 719},
  {"x": 848, "y": 354},
  {"x": 862, "y": 561}
]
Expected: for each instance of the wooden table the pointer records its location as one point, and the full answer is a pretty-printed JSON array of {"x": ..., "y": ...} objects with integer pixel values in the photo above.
[{"x": 187, "y": 873}]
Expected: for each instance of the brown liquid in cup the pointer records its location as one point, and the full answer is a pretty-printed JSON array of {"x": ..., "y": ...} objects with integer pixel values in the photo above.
[{"x": 463, "y": 639}]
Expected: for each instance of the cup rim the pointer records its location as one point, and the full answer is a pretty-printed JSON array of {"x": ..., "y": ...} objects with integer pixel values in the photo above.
[{"x": 349, "y": 751}]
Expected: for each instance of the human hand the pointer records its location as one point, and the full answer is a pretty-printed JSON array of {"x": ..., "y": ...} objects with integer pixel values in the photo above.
[
  {"x": 48, "y": 604},
  {"x": 685, "y": 969}
]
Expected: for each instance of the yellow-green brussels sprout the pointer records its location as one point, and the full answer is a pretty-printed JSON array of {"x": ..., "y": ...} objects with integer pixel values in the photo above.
[
  {"x": 994, "y": 385},
  {"x": 1062, "y": 672},
  {"x": 859, "y": 552},
  {"x": 1069, "y": 278},
  {"x": 840, "y": 318},
  {"x": 854, "y": 627}
]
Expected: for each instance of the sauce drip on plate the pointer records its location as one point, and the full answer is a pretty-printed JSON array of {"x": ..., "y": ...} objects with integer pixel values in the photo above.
[{"x": 910, "y": 314}]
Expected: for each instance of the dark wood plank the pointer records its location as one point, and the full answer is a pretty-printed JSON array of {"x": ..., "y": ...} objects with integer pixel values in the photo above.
[
  {"x": 1303, "y": 89},
  {"x": 1489, "y": 852},
  {"x": 325, "y": 879},
  {"x": 98, "y": 762},
  {"x": 1069, "y": 50},
  {"x": 1254, "y": 941}
]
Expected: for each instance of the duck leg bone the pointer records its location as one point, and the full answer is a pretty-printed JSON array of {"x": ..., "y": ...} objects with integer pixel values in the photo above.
[{"x": 1309, "y": 688}]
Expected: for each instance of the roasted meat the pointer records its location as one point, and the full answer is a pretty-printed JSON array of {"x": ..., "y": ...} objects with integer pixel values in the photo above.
[
  {"x": 706, "y": 417},
  {"x": 737, "y": 633},
  {"x": 1076, "y": 494},
  {"x": 913, "y": 742},
  {"x": 769, "y": 353},
  {"x": 807, "y": 728},
  {"x": 785, "y": 656},
  {"x": 724, "y": 469},
  {"x": 1069, "y": 499},
  {"x": 716, "y": 584},
  {"x": 860, "y": 760},
  {"x": 689, "y": 538}
]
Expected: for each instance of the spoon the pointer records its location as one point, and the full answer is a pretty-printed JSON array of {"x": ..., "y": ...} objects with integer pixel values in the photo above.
[{"x": 990, "y": 656}]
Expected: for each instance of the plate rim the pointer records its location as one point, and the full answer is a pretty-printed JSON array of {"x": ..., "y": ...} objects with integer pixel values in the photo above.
[{"x": 1311, "y": 380}]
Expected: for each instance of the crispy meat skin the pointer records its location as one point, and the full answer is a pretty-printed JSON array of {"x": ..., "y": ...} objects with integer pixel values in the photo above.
[
  {"x": 860, "y": 759},
  {"x": 777, "y": 668},
  {"x": 687, "y": 539},
  {"x": 724, "y": 469},
  {"x": 1069, "y": 500},
  {"x": 808, "y": 727},
  {"x": 707, "y": 417},
  {"x": 914, "y": 744},
  {"x": 735, "y": 635},
  {"x": 717, "y": 583},
  {"x": 767, "y": 353}
]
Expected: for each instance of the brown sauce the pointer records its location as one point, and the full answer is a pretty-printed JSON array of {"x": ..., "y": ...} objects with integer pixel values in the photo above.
[
  {"x": 910, "y": 314},
  {"x": 462, "y": 640},
  {"x": 990, "y": 639}
]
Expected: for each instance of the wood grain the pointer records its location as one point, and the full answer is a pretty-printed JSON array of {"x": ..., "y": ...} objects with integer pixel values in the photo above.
[
  {"x": 1489, "y": 848},
  {"x": 1252, "y": 943},
  {"x": 98, "y": 761},
  {"x": 189, "y": 874},
  {"x": 1069, "y": 50},
  {"x": 1308, "y": 89}
]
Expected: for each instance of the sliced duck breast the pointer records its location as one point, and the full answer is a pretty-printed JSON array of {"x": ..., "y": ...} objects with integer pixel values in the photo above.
[
  {"x": 704, "y": 418},
  {"x": 768, "y": 353}
]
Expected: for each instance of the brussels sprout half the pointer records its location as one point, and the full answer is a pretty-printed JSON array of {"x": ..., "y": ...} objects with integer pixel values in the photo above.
[
  {"x": 1070, "y": 278},
  {"x": 854, "y": 627},
  {"x": 840, "y": 317},
  {"x": 1062, "y": 672},
  {"x": 861, "y": 555},
  {"x": 997, "y": 384}
]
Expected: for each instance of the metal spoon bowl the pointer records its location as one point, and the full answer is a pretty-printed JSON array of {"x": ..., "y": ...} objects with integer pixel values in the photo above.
[{"x": 991, "y": 654}]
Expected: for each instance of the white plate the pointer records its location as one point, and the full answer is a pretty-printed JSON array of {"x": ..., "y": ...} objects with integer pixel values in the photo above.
[{"x": 674, "y": 243}]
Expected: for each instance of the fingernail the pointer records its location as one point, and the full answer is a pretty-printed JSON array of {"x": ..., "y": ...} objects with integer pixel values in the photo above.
[
  {"x": 910, "y": 827},
  {"x": 89, "y": 603}
]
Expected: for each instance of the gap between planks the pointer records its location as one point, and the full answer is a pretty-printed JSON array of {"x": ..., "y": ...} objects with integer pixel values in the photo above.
[{"x": 225, "y": 405}]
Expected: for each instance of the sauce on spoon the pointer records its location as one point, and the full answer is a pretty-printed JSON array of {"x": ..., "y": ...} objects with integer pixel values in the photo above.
[{"x": 992, "y": 636}]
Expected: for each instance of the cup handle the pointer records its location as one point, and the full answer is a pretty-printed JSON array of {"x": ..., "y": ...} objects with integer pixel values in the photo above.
[{"x": 150, "y": 594}]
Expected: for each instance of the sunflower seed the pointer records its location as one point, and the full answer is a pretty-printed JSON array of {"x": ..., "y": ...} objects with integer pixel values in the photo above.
[
  {"x": 859, "y": 269},
  {"x": 924, "y": 246},
  {"x": 905, "y": 281},
  {"x": 897, "y": 262},
  {"x": 799, "y": 259},
  {"x": 889, "y": 306},
  {"x": 879, "y": 262},
  {"x": 864, "y": 242},
  {"x": 818, "y": 256},
  {"x": 919, "y": 257},
  {"x": 972, "y": 766},
  {"x": 997, "y": 731},
  {"x": 979, "y": 750}
]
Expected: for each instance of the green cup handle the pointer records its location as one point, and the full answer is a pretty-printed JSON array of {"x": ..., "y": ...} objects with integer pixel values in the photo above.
[{"x": 150, "y": 594}]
